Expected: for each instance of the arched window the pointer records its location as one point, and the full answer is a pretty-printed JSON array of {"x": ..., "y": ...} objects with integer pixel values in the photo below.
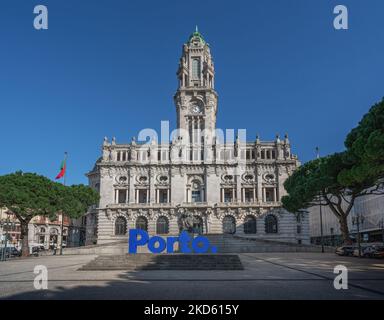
[
  {"x": 162, "y": 225},
  {"x": 249, "y": 225},
  {"x": 120, "y": 226},
  {"x": 42, "y": 230},
  {"x": 270, "y": 224},
  {"x": 229, "y": 225},
  {"x": 142, "y": 223}
]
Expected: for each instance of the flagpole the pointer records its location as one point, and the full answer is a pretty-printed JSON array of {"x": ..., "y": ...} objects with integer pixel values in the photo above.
[{"x": 62, "y": 213}]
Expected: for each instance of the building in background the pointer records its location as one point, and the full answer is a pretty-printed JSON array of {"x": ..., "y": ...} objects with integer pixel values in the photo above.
[
  {"x": 10, "y": 227},
  {"x": 222, "y": 186},
  {"x": 43, "y": 231},
  {"x": 371, "y": 208}
]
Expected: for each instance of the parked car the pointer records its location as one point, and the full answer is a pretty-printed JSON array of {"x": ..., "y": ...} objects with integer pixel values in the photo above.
[
  {"x": 379, "y": 252},
  {"x": 34, "y": 250},
  {"x": 10, "y": 252},
  {"x": 345, "y": 250},
  {"x": 366, "y": 251}
]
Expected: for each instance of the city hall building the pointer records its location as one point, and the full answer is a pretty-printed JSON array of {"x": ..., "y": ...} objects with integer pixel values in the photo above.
[{"x": 197, "y": 181}]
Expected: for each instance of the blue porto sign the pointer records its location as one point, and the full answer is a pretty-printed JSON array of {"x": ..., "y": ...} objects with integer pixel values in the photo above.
[{"x": 156, "y": 244}]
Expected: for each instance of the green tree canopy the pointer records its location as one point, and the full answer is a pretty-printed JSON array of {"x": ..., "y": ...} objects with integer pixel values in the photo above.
[
  {"x": 337, "y": 180},
  {"x": 316, "y": 183},
  {"x": 28, "y": 195},
  {"x": 365, "y": 151}
]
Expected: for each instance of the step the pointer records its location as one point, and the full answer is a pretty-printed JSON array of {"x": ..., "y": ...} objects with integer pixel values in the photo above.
[{"x": 165, "y": 262}]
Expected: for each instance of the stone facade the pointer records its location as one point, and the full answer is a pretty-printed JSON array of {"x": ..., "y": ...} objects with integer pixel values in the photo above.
[{"x": 230, "y": 187}]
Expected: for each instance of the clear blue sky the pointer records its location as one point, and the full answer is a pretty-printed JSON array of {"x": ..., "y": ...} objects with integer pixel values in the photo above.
[{"x": 107, "y": 68}]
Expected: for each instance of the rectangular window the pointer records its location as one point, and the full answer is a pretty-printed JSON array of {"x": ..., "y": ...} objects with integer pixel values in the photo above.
[
  {"x": 122, "y": 196},
  {"x": 196, "y": 196},
  {"x": 196, "y": 68},
  {"x": 228, "y": 195},
  {"x": 298, "y": 229},
  {"x": 248, "y": 195},
  {"x": 163, "y": 196},
  {"x": 158, "y": 155},
  {"x": 142, "y": 196},
  {"x": 269, "y": 195}
]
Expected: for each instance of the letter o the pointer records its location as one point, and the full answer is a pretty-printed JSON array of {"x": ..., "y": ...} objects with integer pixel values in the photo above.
[
  {"x": 200, "y": 249},
  {"x": 160, "y": 248}
]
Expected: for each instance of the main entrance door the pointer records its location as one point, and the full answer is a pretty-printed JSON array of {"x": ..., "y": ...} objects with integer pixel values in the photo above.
[
  {"x": 198, "y": 225},
  {"x": 229, "y": 225}
]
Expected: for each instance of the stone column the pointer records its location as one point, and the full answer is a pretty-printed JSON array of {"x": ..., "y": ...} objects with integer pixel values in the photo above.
[
  {"x": 152, "y": 187},
  {"x": 132, "y": 195}
]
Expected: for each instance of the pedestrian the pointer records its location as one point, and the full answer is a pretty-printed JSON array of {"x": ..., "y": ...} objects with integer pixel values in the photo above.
[{"x": 54, "y": 249}]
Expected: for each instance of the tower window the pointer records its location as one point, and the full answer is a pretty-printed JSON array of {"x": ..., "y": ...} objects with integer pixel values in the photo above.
[{"x": 196, "y": 68}]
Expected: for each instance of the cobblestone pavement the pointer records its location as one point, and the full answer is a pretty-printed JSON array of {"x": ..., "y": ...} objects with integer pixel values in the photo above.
[{"x": 266, "y": 276}]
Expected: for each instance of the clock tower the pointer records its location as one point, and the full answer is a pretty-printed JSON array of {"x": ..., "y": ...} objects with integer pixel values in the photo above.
[{"x": 196, "y": 98}]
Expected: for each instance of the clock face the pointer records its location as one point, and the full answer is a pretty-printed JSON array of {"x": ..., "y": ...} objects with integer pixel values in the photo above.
[{"x": 196, "y": 109}]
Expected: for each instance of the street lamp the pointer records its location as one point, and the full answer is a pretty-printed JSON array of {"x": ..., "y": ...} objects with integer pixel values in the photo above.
[
  {"x": 382, "y": 229},
  {"x": 321, "y": 210},
  {"x": 357, "y": 220}
]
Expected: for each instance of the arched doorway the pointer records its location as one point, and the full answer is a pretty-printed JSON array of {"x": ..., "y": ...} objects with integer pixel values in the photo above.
[
  {"x": 198, "y": 225},
  {"x": 120, "y": 226},
  {"x": 142, "y": 223},
  {"x": 229, "y": 225},
  {"x": 270, "y": 224},
  {"x": 249, "y": 225},
  {"x": 162, "y": 225}
]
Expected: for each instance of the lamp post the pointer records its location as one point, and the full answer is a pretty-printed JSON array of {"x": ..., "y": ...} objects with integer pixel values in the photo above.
[
  {"x": 321, "y": 210},
  {"x": 356, "y": 220}
]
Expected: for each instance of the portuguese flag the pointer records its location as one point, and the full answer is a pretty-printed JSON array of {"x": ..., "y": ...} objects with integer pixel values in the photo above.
[{"x": 63, "y": 168}]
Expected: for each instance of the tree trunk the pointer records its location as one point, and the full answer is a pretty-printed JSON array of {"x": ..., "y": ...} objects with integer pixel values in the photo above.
[
  {"x": 24, "y": 238},
  {"x": 344, "y": 229}
]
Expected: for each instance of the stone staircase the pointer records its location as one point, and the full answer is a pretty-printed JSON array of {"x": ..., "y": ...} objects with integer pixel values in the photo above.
[{"x": 165, "y": 262}]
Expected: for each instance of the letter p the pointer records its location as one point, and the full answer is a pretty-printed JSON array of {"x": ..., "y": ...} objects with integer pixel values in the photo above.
[{"x": 134, "y": 241}]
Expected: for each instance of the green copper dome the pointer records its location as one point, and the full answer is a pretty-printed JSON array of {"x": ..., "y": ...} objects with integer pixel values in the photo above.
[{"x": 196, "y": 34}]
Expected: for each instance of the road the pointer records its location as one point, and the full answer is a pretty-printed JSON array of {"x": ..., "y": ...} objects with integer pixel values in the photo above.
[{"x": 265, "y": 276}]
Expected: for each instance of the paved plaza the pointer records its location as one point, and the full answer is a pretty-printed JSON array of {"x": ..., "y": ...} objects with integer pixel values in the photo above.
[{"x": 265, "y": 276}]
